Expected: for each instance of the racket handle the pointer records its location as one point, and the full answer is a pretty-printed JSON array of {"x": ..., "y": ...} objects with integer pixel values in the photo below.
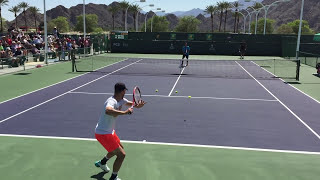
[{"x": 132, "y": 108}]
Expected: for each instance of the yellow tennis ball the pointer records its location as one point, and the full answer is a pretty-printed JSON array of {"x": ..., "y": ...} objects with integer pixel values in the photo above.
[
  {"x": 156, "y": 90},
  {"x": 189, "y": 96},
  {"x": 176, "y": 91}
]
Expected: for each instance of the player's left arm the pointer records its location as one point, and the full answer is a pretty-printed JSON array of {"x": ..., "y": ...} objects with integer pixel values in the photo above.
[{"x": 129, "y": 103}]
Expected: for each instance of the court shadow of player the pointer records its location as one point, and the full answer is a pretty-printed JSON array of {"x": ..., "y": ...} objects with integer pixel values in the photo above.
[
  {"x": 317, "y": 75},
  {"x": 99, "y": 176},
  {"x": 22, "y": 74}
]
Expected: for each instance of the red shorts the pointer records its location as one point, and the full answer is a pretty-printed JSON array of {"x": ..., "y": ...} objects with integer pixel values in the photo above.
[{"x": 109, "y": 141}]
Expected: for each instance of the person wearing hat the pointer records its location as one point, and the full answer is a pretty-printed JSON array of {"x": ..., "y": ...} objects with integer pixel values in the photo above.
[
  {"x": 8, "y": 53},
  {"x": 105, "y": 130},
  {"x": 13, "y": 47},
  {"x": 16, "y": 59},
  {"x": 55, "y": 32}
]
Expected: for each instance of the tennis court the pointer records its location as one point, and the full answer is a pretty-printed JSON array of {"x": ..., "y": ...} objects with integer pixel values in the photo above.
[{"x": 212, "y": 119}]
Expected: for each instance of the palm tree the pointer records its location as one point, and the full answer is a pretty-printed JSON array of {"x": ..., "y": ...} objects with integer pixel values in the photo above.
[
  {"x": 221, "y": 8},
  {"x": 226, "y": 7},
  {"x": 24, "y": 6},
  {"x": 113, "y": 10},
  {"x": 2, "y": 3},
  {"x": 123, "y": 6},
  {"x": 15, "y": 10},
  {"x": 238, "y": 23},
  {"x": 135, "y": 9},
  {"x": 34, "y": 10},
  {"x": 235, "y": 4},
  {"x": 211, "y": 10},
  {"x": 257, "y": 6}
]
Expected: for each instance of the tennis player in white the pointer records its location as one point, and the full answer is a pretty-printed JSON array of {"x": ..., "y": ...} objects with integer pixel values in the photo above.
[{"x": 105, "y": 129}]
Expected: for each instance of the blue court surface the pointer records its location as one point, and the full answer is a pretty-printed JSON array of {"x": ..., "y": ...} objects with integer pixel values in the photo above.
[{"x": 232, "y": 104}]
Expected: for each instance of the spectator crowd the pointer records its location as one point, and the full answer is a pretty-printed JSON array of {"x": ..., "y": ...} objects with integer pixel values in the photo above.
[{"x": 18, "y": 46}]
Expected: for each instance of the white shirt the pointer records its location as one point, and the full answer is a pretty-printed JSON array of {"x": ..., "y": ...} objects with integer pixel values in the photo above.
[{"x": 107, "y": 123}]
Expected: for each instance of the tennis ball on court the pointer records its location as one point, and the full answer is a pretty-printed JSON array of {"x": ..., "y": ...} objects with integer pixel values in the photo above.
[
  {"x": 156, "y": 90},
  {"x": 176, "y": 91},
  {"x": 189, "y": 96}
]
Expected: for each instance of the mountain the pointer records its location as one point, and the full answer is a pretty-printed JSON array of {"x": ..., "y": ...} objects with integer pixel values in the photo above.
[
  {"x": 289, "y": 11},
  {"x": 247, "y": 4},
  {"x": 193, "y": 12},
  {"x": 283, "y": 13}
]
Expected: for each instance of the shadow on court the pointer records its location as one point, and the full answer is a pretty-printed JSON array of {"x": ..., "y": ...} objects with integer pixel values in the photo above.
[{"x": 99, "y": 176}]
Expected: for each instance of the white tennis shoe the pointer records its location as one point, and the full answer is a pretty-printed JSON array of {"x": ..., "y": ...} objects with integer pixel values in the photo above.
[{"x": 103, "y": 167}]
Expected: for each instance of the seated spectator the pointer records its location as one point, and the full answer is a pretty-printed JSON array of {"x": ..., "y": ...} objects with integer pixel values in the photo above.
[
  {"x": 18, "y": 52},
  {"x": 8, "y": 53},
  {"x": 17, "y": 58},
  {"x": 52, "y": 51},
  {"x": 19, "y": 45},
  {"x": 37, "y": 42},
  {"x": 8, "y": 40},
  {"x": 14, "y": 47},
  {"x": 35, "y": 52},
  {"x": 2, "y": 51}
]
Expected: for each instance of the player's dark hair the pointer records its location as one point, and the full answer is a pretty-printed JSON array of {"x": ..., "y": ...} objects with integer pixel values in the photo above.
[{"x": 119, "y": 87}]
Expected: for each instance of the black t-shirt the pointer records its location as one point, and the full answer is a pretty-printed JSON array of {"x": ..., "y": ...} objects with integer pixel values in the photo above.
[
  {"x": 18, "y": 53},
  {"x": 243, "y": 46}
]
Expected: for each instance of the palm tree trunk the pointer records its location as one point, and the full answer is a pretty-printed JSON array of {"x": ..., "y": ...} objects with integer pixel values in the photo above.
[
  {"x": 221, "y": 16},
  {"x": 235, "y": 22},
  {"x": 225, "y": 21},
  {"x": 124, "y": 18},
  {"x": 15, "y": 15},
  {"x": 113, "y": 22},
  {"x": 35, "y": 22},
  {"x": 1, "y": 20},
  {"x": 238, "y": 24},
  {"x": 25, "y": 20},
  {"x": 134, "y": 20},
  {"x": 211, "y": 22}
]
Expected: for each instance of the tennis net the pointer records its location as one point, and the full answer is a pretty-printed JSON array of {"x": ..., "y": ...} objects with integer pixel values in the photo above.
[
  {"x": 239, "y": 69},
  {"x": 309, "y": 59}
]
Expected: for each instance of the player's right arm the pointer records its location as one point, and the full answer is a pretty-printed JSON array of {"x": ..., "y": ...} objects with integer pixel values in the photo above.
[{"x": 113, "y": 112}]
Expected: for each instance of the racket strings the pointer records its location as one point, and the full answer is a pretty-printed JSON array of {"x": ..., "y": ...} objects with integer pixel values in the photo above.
[{"x": 137, "y": 96}]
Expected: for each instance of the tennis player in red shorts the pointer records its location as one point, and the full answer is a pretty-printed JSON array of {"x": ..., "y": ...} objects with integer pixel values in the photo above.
[{"x": 105, "y": 129}]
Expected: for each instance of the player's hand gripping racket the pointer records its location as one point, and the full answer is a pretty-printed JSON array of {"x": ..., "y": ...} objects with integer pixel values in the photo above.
[{"x": 136, "y": 97}]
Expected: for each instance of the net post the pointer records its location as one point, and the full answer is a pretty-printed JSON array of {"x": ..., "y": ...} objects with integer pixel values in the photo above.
[
  {"x": 274, "y": 66},
  {"x": 92, "y": 63},
  {"x": 298, "y": 70},
  {"x": 73, "y": 63}
]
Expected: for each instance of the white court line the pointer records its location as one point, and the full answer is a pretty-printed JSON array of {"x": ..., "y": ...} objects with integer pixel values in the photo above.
[
  {"x": 217, "y": 98},
  {"x": 288, "y": 84},
  {"x": 58, "y": 82},
  {"x": 305, "y": 124},
  {"x": 167, "y": 144},
  {"x": 66, "y": 92},
  {"x": 176, "y": 82}
]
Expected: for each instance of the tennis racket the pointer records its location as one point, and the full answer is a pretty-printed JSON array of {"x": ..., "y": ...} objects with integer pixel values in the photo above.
[{"x": 136, "y": 96}]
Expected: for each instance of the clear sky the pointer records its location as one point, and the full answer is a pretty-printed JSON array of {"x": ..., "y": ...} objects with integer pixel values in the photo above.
[{"x": 168, "y": 5}]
